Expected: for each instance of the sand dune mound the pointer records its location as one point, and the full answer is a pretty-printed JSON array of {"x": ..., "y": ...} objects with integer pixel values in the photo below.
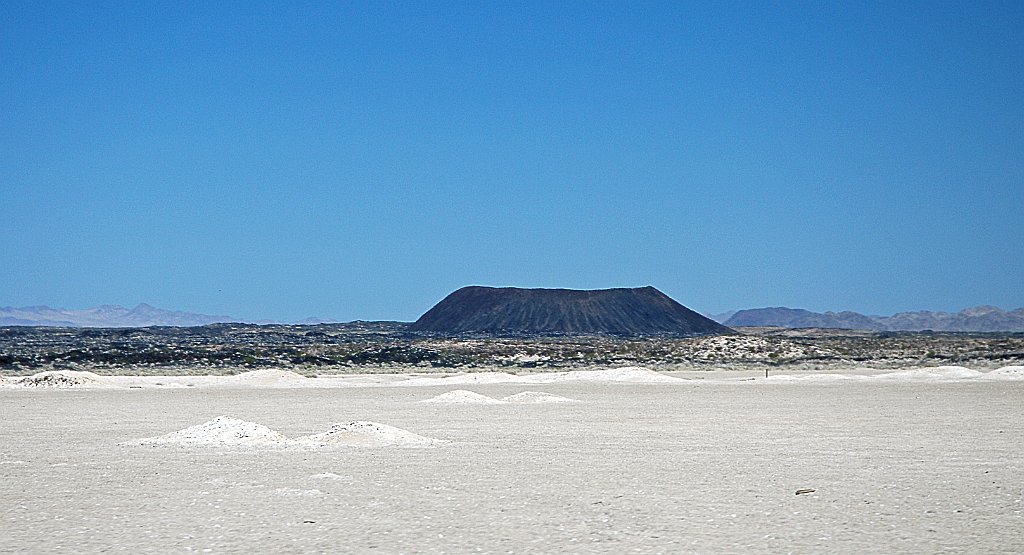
[
  {"x": 460, "y": 396},
  {"x": 1007, "y": 373},
  {"x": 537, "y": 397},
  {"x": 227, "y": 431},
  {"x": 61, "y": 379},
  {"x": 366, "y": 434},
  {"x": 936, "y": 373},
  {"x": 222, "y": 430},
  {"x": 634, "y": 374}
]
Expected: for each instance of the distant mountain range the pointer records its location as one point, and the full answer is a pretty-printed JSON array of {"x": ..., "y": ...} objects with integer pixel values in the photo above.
[
  {"x": 106, "y": 316},
  {"x": 975, "y": 319}
]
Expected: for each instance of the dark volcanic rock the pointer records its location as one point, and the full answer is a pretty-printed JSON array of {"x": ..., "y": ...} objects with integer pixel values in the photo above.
[{"x": 511, "y": 310}]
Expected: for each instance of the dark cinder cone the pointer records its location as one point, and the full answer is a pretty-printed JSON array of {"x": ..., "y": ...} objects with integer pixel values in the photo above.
[{"x": 505, "y": 310}]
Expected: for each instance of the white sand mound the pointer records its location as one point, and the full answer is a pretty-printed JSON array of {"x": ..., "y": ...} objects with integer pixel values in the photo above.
[
  {"x": 61, "y": 379},
  {"x": 936, "y": 373},
  {"x": 222, "y": 430},
  {"x": 537, "y": 397},
  {"x": 1007, "y": 373},
  {"x": 633, "y": 374},
  {"x": 461, "y": 396},
  {"x": 933, "y": 374},
  {"x": 227, "y": 431},
  {"x": 366, "y": 434}
]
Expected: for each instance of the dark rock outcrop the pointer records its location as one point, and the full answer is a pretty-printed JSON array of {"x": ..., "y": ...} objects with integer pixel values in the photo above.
[{"x": 511, "y": 310}]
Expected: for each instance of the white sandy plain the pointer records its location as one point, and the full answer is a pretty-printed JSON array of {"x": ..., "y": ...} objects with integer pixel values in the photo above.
[{"x": 913, "y": 461}]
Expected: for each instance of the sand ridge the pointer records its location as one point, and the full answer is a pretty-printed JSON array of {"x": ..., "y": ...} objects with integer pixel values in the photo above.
[
  {"x": 279, "y": 378},
  {"x": 943, "y": 374},
  {"x": 936, "y": 373}
]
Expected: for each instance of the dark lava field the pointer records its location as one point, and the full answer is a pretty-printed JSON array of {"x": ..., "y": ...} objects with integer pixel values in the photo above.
[{"x": 374, "y": 347}]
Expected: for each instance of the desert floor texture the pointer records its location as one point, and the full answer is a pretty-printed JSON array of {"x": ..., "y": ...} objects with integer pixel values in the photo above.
[{"x": 922, "y": 461}]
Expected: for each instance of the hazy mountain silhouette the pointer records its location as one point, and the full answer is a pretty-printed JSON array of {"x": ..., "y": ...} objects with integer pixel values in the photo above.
[
  {"x": 106, "y": 316},
  {"x": 504, "y": 310},
  {"x": 976, "y": 319}
]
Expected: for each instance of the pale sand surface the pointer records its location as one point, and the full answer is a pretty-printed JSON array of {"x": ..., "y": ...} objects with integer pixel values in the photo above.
[
  {"x": 277, "y": 378},
  {"x": 925, "y": 463}
]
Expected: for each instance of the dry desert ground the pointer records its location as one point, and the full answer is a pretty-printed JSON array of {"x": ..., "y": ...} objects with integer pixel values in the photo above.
[{"x": 616, "y": 461}]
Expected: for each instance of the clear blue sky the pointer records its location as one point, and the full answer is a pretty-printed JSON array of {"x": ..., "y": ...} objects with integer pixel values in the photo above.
[{"x": 360, "y": 160}]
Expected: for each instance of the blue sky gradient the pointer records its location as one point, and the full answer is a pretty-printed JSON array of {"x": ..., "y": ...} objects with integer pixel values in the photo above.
[{"x": 360, "y": 160}]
